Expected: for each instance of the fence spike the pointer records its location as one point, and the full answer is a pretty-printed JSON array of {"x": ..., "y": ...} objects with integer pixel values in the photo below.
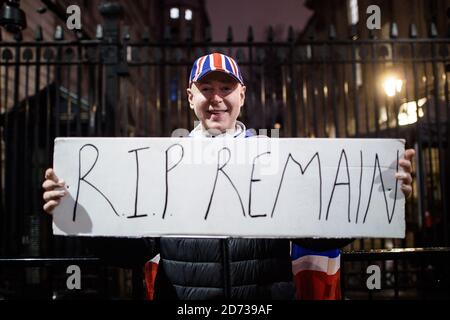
[
  {"x": 126, "y": 33},
  {"x": 354, "y": 32},
  {"x": 394, "y": 30},
  {"x": 250, "y": 34},
  {"x": 270, "y": 34},
  {"x": 332, "y": 32},
  {"x": 208, "y": 36},
  {"x": 38, "y": 34},
  {"x": 167, "y": 35},
  {"x": 229, "y": 34},
  {"x": 189, "y": 34},
  {"x": 291, "y": 35},
  {"x": 99, "y": 32},
  {"x": 311, "y": 33},
  {"x": 1, "y": 39},
  {"x": 59, "y": 33},
  {"x": 146, "y": 34},
  {"x": 413, "y": 31},
  {"x": 433, "y": 30}
]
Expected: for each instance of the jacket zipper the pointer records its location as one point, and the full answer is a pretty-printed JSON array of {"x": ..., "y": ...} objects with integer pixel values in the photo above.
[{"x": 226, "y": 269}]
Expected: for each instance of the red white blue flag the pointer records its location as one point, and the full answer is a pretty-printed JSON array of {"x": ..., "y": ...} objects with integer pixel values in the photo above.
[{"x": 316, "y": 274}]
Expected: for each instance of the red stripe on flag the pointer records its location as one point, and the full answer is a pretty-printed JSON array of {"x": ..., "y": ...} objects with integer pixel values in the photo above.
[
  {"x": 217, "y": 61},
  {"x": 314, "y": 285},
  {"x": 150, "y": 271}
]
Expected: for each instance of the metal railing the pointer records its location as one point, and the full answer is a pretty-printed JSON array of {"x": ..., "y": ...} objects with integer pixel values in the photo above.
[
  {"x": 405, "y": 273},
  {"x": 51, "y": 276}
]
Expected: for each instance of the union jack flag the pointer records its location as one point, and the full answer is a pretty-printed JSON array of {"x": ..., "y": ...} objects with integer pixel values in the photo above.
[{"x": 215, "y": 62}]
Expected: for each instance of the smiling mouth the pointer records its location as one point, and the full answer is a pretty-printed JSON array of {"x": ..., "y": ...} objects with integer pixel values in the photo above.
[
  {"x": 217, "y": 115},
  {"x": 217, "y": 112}
]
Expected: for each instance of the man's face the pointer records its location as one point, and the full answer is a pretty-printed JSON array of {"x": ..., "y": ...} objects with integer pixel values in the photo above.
[{"x": 217, "y": 100}]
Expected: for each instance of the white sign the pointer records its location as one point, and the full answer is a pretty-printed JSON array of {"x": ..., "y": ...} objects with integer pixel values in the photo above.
[{"x": 257, "y": 187}]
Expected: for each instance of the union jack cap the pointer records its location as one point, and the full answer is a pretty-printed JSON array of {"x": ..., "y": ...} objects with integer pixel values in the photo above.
[{"x": 215, "y": 62}]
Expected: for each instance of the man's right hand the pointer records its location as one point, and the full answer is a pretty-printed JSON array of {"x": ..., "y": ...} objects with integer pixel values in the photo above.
[{"x": 54, "y": 190}]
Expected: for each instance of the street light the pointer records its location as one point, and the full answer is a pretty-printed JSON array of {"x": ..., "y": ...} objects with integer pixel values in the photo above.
[{"x": 392, "y": 85}]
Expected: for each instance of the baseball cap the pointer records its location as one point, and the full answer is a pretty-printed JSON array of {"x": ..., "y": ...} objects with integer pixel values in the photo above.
[{"x": 215, "y": 62}]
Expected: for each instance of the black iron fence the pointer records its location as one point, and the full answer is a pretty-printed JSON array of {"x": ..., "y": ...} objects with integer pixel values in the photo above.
[
  {"x": 47, "y": 277},
  {"x": 411, "y": 273},
  {"x": 115, "y": 85},
  {"x": 414, "y": 273}
]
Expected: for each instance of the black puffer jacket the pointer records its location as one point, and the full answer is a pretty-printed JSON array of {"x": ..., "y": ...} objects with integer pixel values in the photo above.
[
  {"x": 193, "y": 269},
  {"x": 224, "y": 268}
]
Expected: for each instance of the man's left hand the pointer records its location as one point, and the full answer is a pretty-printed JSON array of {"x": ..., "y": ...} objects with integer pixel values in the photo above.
[{"x": 405, "y": 176}]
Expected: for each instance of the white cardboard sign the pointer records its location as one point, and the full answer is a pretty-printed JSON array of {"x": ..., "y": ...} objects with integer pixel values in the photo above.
[{"x": 257, "y": 187}]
